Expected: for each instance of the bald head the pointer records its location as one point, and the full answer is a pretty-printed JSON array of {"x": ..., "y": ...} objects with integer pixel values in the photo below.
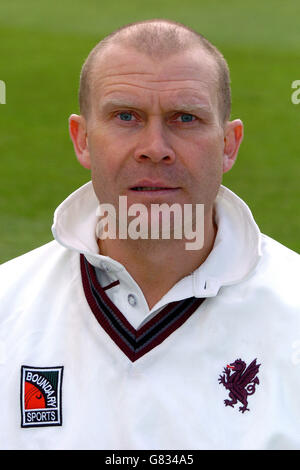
[{"x": 157, "y": 39}]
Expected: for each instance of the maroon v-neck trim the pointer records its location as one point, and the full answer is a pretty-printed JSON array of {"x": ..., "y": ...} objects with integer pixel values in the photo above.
[{"x": 134, "y": 343}]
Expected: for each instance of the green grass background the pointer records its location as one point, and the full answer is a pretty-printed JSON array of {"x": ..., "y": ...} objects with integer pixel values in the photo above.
[{"x": 42, "y": 47}]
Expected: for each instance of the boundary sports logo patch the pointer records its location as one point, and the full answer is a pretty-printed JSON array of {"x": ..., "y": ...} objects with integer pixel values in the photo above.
[{"x": 41, "y": 396}]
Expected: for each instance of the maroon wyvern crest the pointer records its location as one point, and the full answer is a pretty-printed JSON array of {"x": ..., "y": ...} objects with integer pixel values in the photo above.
[{"x": 241, "y": 381}]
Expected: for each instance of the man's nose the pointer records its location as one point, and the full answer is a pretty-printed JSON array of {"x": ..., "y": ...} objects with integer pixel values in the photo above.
[{"x": 154, "y": 144}]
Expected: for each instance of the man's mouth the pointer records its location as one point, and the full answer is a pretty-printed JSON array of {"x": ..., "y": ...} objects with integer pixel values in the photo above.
[{"x": 150, "y": 188}]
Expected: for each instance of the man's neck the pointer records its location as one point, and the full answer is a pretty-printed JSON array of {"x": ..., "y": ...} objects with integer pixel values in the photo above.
[{"x": 157, "y": 265}]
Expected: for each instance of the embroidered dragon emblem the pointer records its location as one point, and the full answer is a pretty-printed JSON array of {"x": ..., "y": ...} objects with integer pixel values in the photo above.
[{"x": 241, "y": 381}]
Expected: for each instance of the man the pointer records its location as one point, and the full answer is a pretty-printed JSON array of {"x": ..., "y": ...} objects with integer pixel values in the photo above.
[{"x": 122, "y": 342}]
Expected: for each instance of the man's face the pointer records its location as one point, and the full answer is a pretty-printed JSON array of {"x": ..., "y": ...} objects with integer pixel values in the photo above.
[{"x": 154, "y": 132}]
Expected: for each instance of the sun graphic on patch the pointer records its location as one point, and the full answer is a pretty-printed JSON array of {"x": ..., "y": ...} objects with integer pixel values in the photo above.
[{"x": 34, "y": 398}]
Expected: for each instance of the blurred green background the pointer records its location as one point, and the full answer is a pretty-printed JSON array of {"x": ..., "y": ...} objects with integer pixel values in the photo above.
[{"x": 42, "y": 47}]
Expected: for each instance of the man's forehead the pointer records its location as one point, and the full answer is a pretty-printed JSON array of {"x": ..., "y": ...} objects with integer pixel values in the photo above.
[
  {"x": 118, "y": 62},
  {"x": 121, "y": 76}
]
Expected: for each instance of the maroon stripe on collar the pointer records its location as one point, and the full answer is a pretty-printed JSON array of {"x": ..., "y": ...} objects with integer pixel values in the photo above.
[
  {"x": 112, "y": 284},
  {"x": 134, "y": 343},
  {"x": 98, "y": 295}
]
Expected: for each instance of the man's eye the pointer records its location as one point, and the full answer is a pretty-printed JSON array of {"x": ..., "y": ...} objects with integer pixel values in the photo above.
[
  {"x": 125, "y": 116},
  {"x": 186, "y": 117}
]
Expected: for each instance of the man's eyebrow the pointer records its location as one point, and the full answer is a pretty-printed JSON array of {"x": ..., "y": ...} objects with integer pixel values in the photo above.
[
  {"x": 177, "y": 107},
  {"x": 118, "y": 103},
  {"x": 192, "y": 107}
]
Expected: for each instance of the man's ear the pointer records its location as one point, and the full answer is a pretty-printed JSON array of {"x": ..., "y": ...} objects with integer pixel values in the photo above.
[
  {"x": 234, "y": 131},
  {"x": 78, "y": 134}
]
